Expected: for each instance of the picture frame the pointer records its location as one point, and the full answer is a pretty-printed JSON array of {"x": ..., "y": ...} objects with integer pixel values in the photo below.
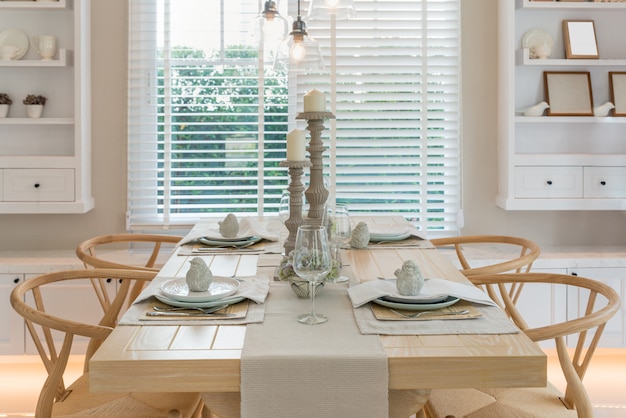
[
  {"x": 568, "y": 93},
  {"x": 579, "y": 38},
  {"x": 617, "y": 86}
]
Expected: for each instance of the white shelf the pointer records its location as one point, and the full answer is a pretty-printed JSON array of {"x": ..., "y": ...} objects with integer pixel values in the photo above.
[
  {"x": 580, "y": 151},
  {"x": 564, "y": 5},
  {"x": 62, "y": 61},
  {"x": 37, "y": 121},
  {"x": 17, "y": 161},
  {"x": 559, "y": 204},
  {"x": 557, "y": 160},
  {"x": 570, "y": 119},
  {"x": 522, "y": 57},
  {"x": 20, "y": 5},
  {"x": 57, "y": 145}
]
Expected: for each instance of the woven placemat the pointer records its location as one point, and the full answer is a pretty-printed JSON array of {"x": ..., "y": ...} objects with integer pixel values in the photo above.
[
  {"x": 235, "y": 311},
  {"x": 383, "y": 313}
]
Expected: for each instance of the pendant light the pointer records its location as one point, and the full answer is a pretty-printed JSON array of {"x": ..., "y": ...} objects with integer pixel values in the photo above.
[
  {"x": 301, "y": 51},
  {"x": 323, "y": 9},
  {"x": 269, "y": 28},
  {"x": 270, "y": 25}
]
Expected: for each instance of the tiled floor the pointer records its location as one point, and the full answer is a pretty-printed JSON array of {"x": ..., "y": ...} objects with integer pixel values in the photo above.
[{"x": 21, "y": 378}]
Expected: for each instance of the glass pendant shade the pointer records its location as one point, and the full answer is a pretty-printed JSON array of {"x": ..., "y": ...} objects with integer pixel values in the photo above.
[
  {"x": 322, "y": 9},
  {"x": 299, "y": 51},
  {"x": 269, "y": 29}
]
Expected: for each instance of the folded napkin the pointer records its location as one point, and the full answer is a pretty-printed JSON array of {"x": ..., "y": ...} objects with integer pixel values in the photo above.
[
  {"x": 210, "y": 229},
  {"x": 395, "y": 229},
  {"x": 374, "y": 289},
  {"x": 254, "y": 288}
]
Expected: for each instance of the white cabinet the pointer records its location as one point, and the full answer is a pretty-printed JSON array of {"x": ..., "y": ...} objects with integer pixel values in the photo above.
[
  {"x": 45, "y": 162},
  {"x": 12, "y": 325},
  {"x": 558, "y": 162}
]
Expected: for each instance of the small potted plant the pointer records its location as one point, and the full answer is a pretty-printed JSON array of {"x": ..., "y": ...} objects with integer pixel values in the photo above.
[
  {"x": 300, "y": 286},
  {"x": 34, "y": 105},
  {"x": 5, "y": 102}
]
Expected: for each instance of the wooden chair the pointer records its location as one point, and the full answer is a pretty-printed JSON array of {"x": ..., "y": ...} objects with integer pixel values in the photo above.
[
  {"x": 524, "y": 252},
  {"x": 142, "y": 246},
  {"x": 104, "y": 252},
  {"x": 55, "y": 335},
  {"x": 597, "y": 305}
]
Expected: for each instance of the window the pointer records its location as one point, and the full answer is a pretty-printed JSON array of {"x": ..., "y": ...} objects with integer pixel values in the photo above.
[{"x": 208, "y": 117}]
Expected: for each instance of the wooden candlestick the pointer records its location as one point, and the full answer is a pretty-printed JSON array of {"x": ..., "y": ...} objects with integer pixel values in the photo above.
[
  {"x": 316, "y": 194},
  {"x": 296, "y": 169}
]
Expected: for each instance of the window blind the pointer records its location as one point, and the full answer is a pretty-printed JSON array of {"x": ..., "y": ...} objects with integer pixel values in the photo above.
[{"x": 208, "y": 117}]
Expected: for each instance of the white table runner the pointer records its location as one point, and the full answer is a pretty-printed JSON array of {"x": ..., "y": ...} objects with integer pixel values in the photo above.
[{"x": 290, "y": 369}]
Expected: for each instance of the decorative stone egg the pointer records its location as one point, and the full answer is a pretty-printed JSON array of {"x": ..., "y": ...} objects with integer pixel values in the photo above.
[
  {"x": 409, "y": 279},
  {"x": 360, "y": 236},
  {"x": 199, "y": 276},
  {"x": 229, "y": 227}
]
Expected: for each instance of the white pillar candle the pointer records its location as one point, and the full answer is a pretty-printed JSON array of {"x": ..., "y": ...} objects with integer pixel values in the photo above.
[
  {"x": 314, "y": 101},
  {"x": 296, "y": 145}
]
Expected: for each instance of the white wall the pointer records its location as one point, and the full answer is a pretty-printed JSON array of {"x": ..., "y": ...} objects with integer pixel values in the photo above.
[{"x": 109, "y": 23}]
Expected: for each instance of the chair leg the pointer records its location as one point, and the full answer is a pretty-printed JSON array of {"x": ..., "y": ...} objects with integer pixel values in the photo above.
[{"x": 206, "y": 413}]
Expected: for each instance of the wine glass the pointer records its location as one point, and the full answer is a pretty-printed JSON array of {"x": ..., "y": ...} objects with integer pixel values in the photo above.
[
  {"x": 283, "y": 207},
  {"x": 336, "y": 220},
  {"x": 312, "y": 262}
]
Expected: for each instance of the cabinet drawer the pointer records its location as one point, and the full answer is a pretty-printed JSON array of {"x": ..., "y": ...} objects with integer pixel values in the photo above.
[
  {"x": 548, "y": 182},
  {"x": 38, "y": 185},
  {"x": 607, "y": 182}
]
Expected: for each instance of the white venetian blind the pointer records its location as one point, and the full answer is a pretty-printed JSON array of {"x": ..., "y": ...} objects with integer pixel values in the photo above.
[{"x": 207, "y": 128}]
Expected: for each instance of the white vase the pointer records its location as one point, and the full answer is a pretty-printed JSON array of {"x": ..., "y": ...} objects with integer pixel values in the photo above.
[
  {"x": 4, "y": 110},
  {"x": 34, "y": 111}
]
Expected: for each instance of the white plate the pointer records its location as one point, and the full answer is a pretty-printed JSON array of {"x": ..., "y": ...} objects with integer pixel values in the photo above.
[
  {"x": 230, "y": 242},
  {"x": 536, "y": 37},
  {"x": 449, "y": 301},
  {"x": 228, "y": 300},
  {"x": 16, "y": 38},
  {"x": 421, "y": 299},
  {"x": 219, "y": 288}
]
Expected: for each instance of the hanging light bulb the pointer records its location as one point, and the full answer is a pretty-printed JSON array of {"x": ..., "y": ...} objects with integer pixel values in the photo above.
[
  {"x": 322, "y": 9},
  {"x": 299, "y": 49},
  {"x": 269, "y": 28},
  {"x": 273, "y": 25}
]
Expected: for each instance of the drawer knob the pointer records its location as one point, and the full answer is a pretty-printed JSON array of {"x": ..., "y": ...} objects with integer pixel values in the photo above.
[
  {"x": 37, "y": 185},
  {"x": 603, "y": 183},
  {"x": 16, "y": 280},
  {"x": 549, "y": 182}
]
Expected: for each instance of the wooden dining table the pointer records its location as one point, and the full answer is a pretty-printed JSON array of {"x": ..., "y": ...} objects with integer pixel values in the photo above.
[{"x": 192, "y": 358}]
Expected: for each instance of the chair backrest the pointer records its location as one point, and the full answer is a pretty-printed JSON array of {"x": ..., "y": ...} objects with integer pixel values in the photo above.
[
  {"x": 54, "y": 335},
  {"x": 598, "y": 303},
  {"x": 93, "y": 253},
  {"x": 524, "y": 252},
  {"x": 146, "y": 244}
]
